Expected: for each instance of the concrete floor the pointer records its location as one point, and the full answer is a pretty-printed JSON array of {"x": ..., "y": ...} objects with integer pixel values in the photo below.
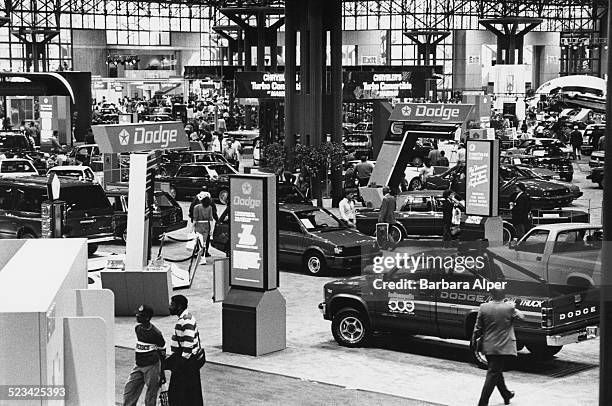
[{"x": 419, "y": 368}]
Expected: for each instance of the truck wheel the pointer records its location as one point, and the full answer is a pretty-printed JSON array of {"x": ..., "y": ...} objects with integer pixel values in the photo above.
[
  {"x": 350, "y": 328},
  {"x": 415, "y": 184},
  {"x": 543, "y": 352},
  {"x": 314, "y": 263},
  {"x": 91, "y": 249}
]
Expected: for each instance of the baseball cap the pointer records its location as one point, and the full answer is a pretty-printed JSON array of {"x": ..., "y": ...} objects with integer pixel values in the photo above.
[{"x": 144, "y": 310}]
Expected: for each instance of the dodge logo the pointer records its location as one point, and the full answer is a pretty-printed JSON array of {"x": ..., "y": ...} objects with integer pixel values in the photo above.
[
  {"x": 247, "y": 188},
  {"x": 124, "y": 137},
  {"x": 406, "y": 110}
]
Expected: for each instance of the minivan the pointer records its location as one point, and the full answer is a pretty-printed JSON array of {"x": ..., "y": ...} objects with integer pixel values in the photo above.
[{"x": 89, "y": 214}]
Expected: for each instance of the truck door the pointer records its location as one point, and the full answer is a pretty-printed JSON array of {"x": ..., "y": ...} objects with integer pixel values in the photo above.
[
  {"x": 406, "y": 307},
  {"x": 530, "y": 251}
]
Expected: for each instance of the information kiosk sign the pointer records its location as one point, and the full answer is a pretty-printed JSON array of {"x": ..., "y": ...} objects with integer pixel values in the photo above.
[
  {"x": 482, "y": 177},
  {"x": 253, "y": 232}
]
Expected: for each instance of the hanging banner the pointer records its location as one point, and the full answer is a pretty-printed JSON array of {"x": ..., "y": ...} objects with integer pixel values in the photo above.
[{"x": 261, "y": 85}]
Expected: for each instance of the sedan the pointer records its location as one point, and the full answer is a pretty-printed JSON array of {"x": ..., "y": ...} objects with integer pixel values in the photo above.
[
  {"x": 17, "y": 167},
  {"x": 190, "y": 178},
  {"x": 313, "y": 238},
  {"x": 544, "y": 194}
]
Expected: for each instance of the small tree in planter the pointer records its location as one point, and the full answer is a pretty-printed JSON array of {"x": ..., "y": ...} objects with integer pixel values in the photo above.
[
  {"x": 316, "y": 162},
  {"x": 273, "y": 158}
]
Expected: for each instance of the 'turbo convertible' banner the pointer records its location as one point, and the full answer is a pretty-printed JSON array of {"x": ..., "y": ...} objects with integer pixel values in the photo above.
[{"x": 261, "y": 85}]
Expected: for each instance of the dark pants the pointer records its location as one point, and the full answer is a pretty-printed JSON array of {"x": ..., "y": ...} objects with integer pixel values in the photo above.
[
  {"x": 185, "y": 388},
  {"x": 447, "y": 237},
  {"x": 520, "y": 230},
  {"x": 495, "y": 377}
]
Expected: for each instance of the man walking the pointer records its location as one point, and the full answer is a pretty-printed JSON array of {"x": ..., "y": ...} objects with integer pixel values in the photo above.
[
  {"x": 187, "y": 357},
  {"x": 147, "y": 371},
  {"x": 576, "y": 141},
  {"x": 434, "y": 155},
  {"x": 521, "y": 208},
  {"x": 496, "y": 333},
  {"x": 364, "y": 170}
]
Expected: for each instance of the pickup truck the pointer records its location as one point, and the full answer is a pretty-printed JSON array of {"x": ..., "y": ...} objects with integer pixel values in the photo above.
[
  {"x": 564, "y": 253},
  {"x": 446, "y": 304}
]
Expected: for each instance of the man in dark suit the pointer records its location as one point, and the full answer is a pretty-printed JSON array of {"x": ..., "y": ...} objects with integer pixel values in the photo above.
[
  {"x": 498, "y": 342},
  {"x": 521, "y": 208},
  {"x": 388, "y": 207}
]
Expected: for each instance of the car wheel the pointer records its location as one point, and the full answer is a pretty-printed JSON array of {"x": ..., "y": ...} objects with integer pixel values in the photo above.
[
  {"x": 314, "y": 263},
  {"x": 415, "y": 184},
  {"x": 395, "y": 234},
  {"x": 350, "y": 328},
  {"x": 223, "y": 196},
  {"x": 91, "y": 249},
  {"x": 417, "y": 160},
  {"x": 27, "y": 235},
  {"x": 507, "y": 235},
  {"x": 543, "y": 352}
]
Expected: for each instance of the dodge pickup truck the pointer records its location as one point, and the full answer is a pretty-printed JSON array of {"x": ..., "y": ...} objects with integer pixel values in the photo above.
[
  {"x": 562, "y": 254},
  {"x": 440, "y": 301}
]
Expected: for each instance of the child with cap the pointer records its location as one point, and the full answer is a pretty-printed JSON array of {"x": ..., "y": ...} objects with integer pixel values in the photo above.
[{"x": 149, "y": 351}]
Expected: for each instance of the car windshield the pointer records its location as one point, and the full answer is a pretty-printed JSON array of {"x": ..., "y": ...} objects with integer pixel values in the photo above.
[
  {"x": 207, "y": 158},
  {"x": 16, "y": 167},
  {"x": 222, "y": 169},
  {"x": 162, "y": 200},
  {"x": 73, "y": 173},
  {"x": 361, "y": 127},
  {"x": 357, "y": 138},
  {"x": 318, "y": 220}
]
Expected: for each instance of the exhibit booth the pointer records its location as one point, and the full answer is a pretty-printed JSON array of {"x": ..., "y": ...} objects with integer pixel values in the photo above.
[{"x": 56, "y": 335}]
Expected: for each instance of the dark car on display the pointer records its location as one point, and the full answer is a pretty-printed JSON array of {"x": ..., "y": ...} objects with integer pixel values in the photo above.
[
  {"x": 313, "y": 238},
  {"x": 172, "y": 160},
  {"x": 189, "y": 179},
  {"x": 438, "y": 300},
  {"x": 14, "y": 143},
  {"x": 524, "y": 145},
  {"x": 420, "y": 215},
  {"x": 166, "y": 216},
  {"x": 88, "y": 211},
  {"x": 544, "y": 194},
  {"x": 561, "y": 166},
  {"x": 544, "y": 174},
  {"x": 597, "y": 176}
]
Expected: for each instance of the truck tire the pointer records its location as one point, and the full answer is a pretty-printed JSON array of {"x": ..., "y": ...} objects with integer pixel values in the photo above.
[
  {"x": 543, "y": 352},
  {"x": 314, "y": 263},
  {"x": 351, "y": 328},
  {"x": 415, "y": 184}
]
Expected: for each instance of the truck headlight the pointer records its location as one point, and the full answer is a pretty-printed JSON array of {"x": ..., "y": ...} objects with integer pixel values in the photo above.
[{"x": 338, "y": 250}]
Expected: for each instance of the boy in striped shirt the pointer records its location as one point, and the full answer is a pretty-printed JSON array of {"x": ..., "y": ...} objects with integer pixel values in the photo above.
[{"x": 187, "y": 357}]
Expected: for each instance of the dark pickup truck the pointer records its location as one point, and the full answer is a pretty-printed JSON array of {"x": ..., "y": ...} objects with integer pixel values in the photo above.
[{"x": 444, "y": 303}]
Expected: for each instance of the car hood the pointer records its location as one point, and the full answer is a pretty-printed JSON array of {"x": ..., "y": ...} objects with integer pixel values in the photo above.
[
  {"x": 539, "y": 184},
  {"x": 345, "y": 237}
]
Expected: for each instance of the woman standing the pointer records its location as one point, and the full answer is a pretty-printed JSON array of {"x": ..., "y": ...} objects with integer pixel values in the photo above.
[{"x": 202, "y": 215}]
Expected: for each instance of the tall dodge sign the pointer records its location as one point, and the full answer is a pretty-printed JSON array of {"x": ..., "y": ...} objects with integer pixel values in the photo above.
[
  {"x": 119, "y": 138},
  {"x": 253, "y": 232},
  {"x": 482, "y": 177}
]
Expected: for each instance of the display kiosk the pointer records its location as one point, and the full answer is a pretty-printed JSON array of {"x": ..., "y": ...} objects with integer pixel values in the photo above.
[{"x": 254, "y": 311}]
